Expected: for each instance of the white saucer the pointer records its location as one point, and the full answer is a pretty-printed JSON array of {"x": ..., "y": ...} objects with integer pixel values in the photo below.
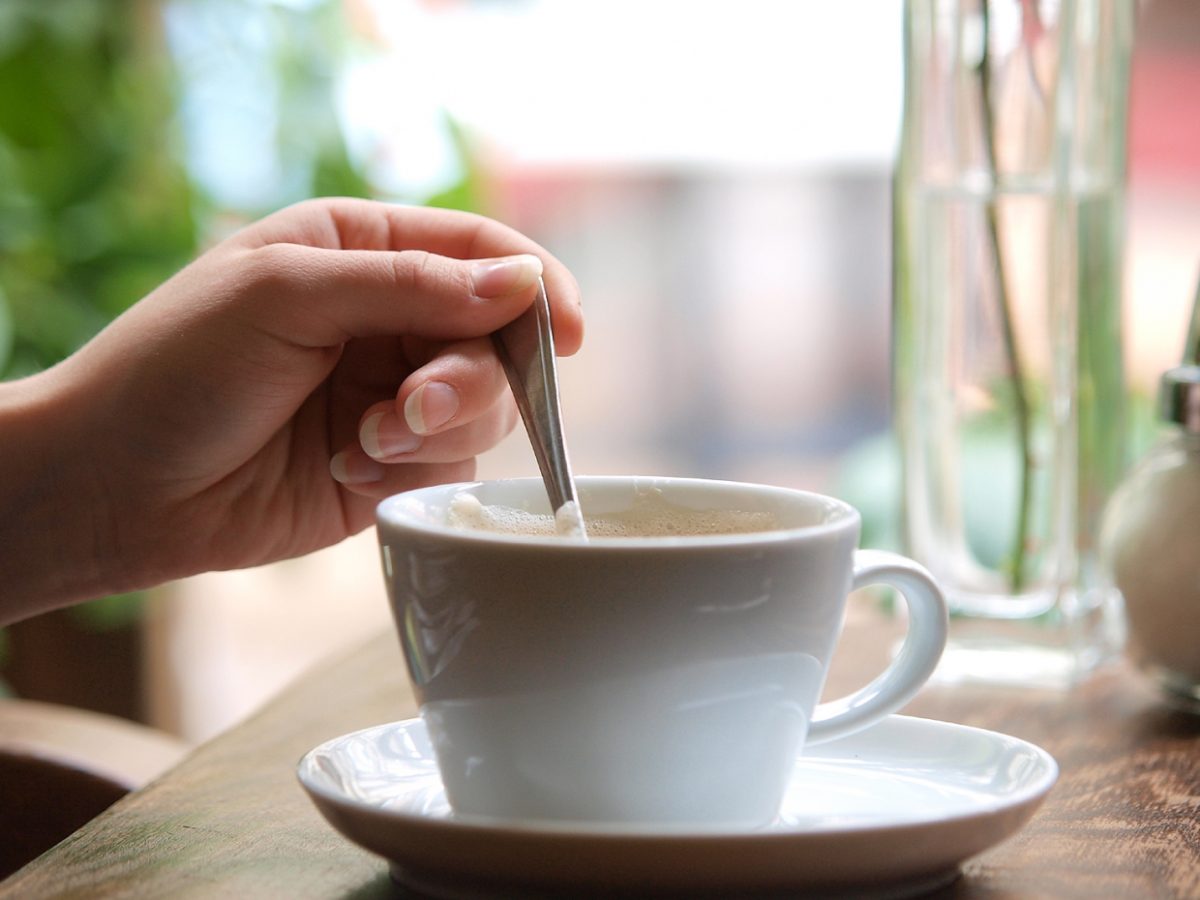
[{"x": 891, "y": 811}]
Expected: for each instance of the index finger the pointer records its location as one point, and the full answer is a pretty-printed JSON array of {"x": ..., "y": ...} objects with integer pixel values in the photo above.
[{"x": 345, "y": 223}]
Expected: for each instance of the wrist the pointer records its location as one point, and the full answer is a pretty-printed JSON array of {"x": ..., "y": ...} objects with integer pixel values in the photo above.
[{"x": 51, "y": 551}]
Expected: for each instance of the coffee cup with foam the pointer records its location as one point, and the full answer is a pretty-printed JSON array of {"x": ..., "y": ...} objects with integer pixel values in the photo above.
[{"x": 663, "y": 671}]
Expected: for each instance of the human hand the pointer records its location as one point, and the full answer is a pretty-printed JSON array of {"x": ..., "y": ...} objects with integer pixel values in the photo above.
[{"x": 258, "y": 404}]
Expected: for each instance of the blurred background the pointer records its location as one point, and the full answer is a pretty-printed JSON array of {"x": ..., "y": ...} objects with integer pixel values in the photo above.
[{"x": 715, "y": 172}]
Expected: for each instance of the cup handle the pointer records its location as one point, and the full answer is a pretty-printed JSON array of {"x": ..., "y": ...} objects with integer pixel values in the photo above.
[{"x": 918, "y": 656}]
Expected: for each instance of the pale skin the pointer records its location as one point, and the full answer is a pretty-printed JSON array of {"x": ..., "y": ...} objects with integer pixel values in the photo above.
[{"x": 257, "y": 405}]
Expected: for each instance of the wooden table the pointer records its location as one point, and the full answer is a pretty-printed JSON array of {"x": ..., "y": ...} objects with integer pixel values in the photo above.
[{"x": 231, "y": 821}]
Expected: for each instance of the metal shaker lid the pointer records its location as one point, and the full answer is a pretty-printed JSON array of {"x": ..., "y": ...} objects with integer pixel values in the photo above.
[
  {"x": 1179, "y": 388},
  {"x": 1179, "y": 396}
]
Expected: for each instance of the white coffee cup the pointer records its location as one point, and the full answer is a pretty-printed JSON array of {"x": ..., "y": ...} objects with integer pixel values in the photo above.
[{"x": 667, "y": 679}]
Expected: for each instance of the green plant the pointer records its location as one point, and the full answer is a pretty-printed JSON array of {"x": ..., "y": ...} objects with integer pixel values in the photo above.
[
  {"x": 95, "y": 208},
  {"x": 1022, "y": 416}
]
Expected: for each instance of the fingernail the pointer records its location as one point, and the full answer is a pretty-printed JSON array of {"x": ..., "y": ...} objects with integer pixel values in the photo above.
[
  {"x": 430, "y": 406},
  {"x": 350, "y": 468},
  {"x": 385, "y": 435},
  {"x": 498, "y": 277}
]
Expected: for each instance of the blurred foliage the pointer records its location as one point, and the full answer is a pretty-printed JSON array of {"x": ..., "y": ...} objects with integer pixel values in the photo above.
[
  {"x": 305, "y": 44},
  {"x": 286, "y": 58},
  {"x": 470, "y": 192},
  {"x": 95, "y": 209}
]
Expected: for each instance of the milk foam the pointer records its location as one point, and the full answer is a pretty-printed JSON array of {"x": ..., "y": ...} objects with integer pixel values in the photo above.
[
  {"x": 650, "y": 516},
  {"x": 568, "y": 520}
]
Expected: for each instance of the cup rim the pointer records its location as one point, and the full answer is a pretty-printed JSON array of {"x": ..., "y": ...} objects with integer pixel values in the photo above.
[{"x": 389, "y": 513}]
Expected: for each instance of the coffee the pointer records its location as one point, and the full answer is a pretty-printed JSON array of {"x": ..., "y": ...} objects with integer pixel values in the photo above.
[{"x": 650, "y": 516}]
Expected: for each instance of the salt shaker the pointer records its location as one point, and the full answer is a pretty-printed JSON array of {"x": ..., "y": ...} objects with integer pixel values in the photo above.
[{"x": 1150, "y": 539}]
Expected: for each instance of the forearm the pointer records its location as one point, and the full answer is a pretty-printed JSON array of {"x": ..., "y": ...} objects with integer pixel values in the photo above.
[{"x": 51, "y": 550}]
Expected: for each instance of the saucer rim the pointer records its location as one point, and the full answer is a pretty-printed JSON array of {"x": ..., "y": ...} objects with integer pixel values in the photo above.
[
  {"x": 453, "y": 858},
  {"x": 1030, "y": 794}
]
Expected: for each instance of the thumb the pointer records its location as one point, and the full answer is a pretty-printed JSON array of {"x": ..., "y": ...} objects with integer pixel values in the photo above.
[{"x": 320, "y": 297}]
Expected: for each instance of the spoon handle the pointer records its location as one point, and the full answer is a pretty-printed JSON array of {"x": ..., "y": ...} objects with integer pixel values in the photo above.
[{"x": 526, "y": 348}]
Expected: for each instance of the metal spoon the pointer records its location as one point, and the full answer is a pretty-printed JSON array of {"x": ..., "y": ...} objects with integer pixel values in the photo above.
[{"x": 526, "y": 348}]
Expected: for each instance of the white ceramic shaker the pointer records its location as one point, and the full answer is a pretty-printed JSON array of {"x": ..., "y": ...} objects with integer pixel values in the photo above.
[{"x": 1150, "y": 540}]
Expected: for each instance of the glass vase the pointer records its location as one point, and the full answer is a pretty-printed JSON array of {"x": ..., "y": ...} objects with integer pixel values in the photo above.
[{"x": 1008, "y": 379}]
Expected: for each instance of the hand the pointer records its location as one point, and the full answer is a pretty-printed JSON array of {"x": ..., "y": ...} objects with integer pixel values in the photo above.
[{"x": 256, "y": 406}]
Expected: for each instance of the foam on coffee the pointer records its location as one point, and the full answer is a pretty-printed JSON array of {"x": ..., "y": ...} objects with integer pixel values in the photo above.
[{"x": 650, "y": 516}]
